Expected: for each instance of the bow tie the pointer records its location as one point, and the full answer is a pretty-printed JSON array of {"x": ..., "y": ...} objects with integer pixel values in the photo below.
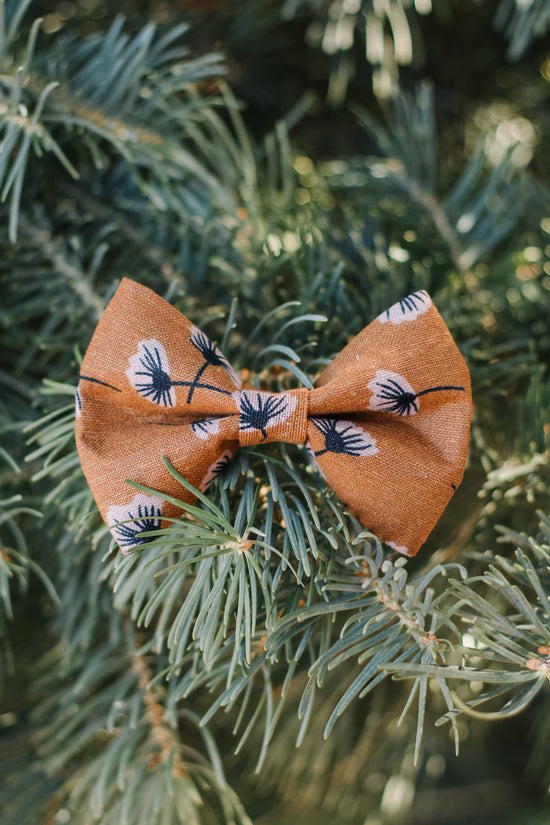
[{"x": 387, "y": 421}]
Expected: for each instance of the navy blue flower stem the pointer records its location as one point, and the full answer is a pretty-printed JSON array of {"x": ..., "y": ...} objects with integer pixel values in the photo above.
[
  {"x": 212, "y": 358},
  {"x": 97, "y": 381},
  {"x": 397, "y": 399},
  {"x": 198, "y": 385},
  {"x": 195, "y": 382},
  {"x": 437, "y": 389}
]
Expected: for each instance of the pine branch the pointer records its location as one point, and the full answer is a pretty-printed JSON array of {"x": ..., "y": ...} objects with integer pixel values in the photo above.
[
  {"x": 506, "y": 640},
  {"x": 120, "y": 722},
  {"x": 522, "y": 23},
  {"x": 151, "y": 79},
  {"x": 16, "y": 566},
  {"x": 482, "y": 207},
  {"x": 73, "y": 276}
]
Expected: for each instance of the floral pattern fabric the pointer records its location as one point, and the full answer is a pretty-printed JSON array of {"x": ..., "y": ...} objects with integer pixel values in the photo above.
[
  {"x": 259, "y": 411},
  {"x": 387, "y": 421},
  {"x": 217, "y": 467},
  {"x": 149, "y": 373},
  {"x": 204, "y": 428},
  {"x": 408, "y": 309},
  {"x": 344, "y": 437},
  {"x": 129, "y": 523}
]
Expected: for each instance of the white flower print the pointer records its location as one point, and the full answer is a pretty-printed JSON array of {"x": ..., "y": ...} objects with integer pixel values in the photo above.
[
  {"x": 128, "y": 522},
  {"x": 399, "y": 547},
  {"x": 77, "y": 404},
  {"x": 260, "y": 410},
  {"x": 215, "y": 469},
  {"x": 408, "y": 309},
  {"x": 344, "y": 437},
  {"x": 149, "y": 373},
  {"x": 205, "y": 427},
  {"x": 213, "y": 357},
  {"x": 393, "y": 393}
]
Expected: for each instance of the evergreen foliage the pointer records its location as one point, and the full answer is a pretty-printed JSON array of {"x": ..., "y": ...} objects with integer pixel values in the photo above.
[{"x": 266, "y": 616}]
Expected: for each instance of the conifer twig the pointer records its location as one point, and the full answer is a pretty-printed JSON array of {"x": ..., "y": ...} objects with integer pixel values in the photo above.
[
  {"x": 163, "y": 734},
  {"x": 80, "y": 282}
]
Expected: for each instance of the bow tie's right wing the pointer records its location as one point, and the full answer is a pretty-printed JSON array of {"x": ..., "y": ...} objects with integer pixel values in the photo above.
[{"x": 389, "y": 422}]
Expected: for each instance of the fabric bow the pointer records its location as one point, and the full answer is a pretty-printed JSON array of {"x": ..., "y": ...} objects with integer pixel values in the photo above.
[{"x": 387, "y": 421}]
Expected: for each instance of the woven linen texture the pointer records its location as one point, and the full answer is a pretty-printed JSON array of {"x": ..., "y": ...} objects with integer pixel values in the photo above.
[{"x": 387, "y": 421}]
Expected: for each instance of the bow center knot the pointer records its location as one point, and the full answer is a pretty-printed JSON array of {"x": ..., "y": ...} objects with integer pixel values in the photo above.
[{"x": 272, "y": 416}]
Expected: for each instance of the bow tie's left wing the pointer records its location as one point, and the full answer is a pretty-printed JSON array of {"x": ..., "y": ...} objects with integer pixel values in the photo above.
[
  {"x": 151, "y": 383},
  {"x": 389, "y": 422}
]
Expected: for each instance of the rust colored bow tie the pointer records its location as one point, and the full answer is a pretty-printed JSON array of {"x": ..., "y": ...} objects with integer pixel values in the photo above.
[{"x": 387, "y": 421}]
